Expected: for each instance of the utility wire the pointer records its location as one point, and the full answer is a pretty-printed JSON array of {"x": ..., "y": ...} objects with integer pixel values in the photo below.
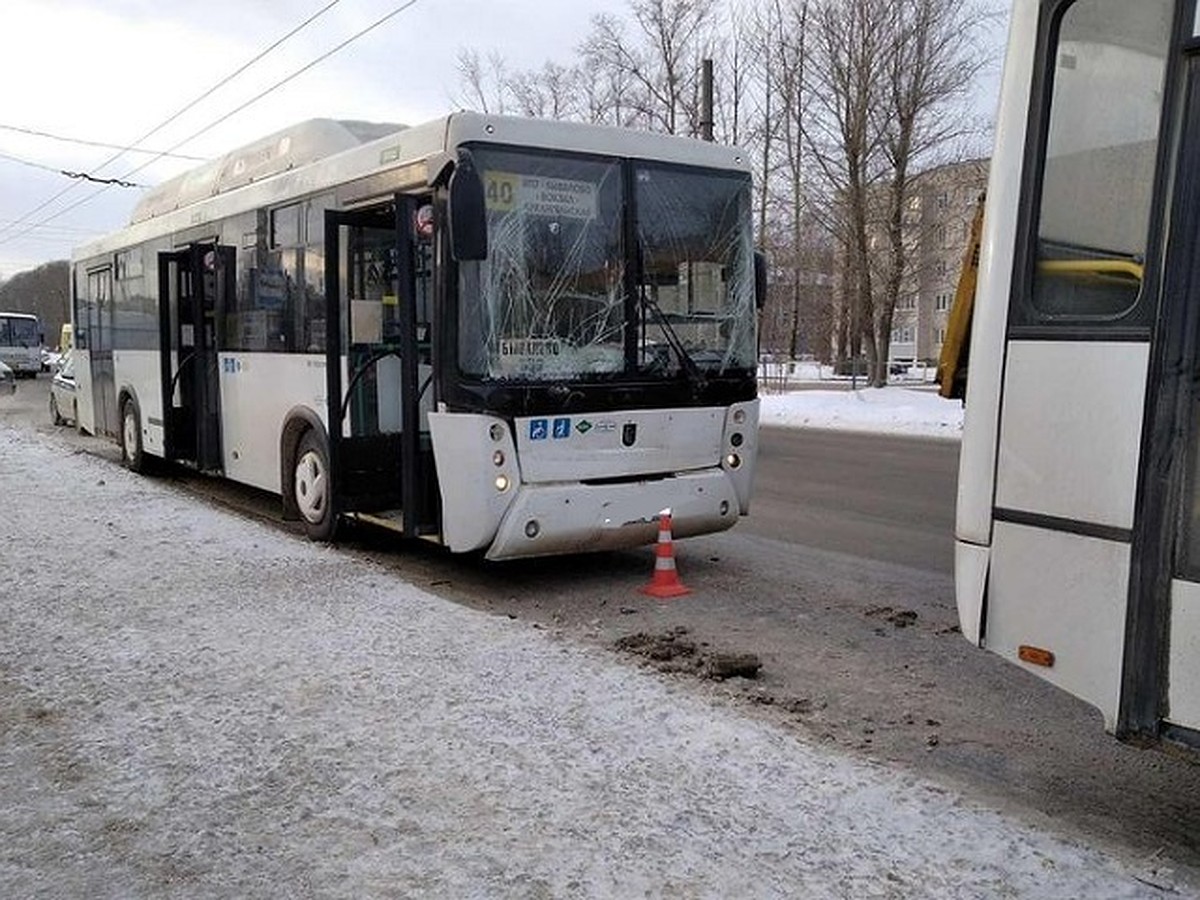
[
  {"x": 85, "y": 143},
  {"x": 78, "y": 175},
  {"x": 60, "y": 230},
  {"x": 153, "y": 131},
  {"x": 324, "y": 56}
]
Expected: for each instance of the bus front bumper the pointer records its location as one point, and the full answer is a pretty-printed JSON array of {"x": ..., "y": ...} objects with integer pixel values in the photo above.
[{"x": 549, "y": 519}]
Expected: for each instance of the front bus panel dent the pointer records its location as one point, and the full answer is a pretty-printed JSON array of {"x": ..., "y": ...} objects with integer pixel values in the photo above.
[{"x": 970, "y": 582}]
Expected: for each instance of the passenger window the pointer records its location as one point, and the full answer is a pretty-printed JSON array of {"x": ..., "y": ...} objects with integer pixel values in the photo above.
[{"x": 1107, "y": 66}]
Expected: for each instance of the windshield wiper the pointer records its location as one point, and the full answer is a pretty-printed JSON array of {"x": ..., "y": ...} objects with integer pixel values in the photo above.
[{"x": 686, "y": 363}]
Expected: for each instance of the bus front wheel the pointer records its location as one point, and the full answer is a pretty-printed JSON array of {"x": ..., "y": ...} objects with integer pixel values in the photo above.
[
  {"x": 131, "y": 438},
  {"x": 313, "y": 490}
]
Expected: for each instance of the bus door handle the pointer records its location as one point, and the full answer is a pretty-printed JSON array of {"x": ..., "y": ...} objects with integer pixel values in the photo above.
[
  {"x": 357, "y": 377},
  {"x": 179, "y": 371}
]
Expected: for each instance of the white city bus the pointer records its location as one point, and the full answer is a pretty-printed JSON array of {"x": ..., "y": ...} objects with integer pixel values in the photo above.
[
  {"x": 512, "y": 336},
  {"x": 21, "y": 343},
  {"x": 1078, "y": 525}
]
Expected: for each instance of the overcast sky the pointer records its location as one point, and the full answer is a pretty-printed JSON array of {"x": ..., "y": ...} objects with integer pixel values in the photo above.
[{"x": 111, "y": 70}]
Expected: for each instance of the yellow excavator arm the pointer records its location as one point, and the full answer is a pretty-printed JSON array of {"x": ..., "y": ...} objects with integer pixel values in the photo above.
[{"x": 952, "y": 363}]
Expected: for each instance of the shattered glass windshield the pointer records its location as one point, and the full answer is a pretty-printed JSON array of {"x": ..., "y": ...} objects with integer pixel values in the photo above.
[
  {"x": 552, "y": 300},
  {"x": 549, "y": 301},
  {"x": 697, "y": 270}
]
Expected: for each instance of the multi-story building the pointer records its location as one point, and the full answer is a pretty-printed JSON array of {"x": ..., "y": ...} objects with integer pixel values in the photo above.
[{"x": 938, "y": 228}]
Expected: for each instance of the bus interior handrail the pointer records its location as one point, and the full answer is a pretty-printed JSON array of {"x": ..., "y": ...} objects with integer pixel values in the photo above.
[{"x": 1092, "y": 267}]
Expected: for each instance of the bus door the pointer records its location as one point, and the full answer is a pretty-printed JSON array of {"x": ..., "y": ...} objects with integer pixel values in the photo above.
[
  {"x": 197, "y": 285},
  {"x": 1162, "y": 663},
  {"x": 379, "y": 288},
  {"x": 100, "y": 347}
]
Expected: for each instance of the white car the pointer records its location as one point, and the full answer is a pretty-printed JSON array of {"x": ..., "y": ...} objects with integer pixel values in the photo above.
[
  {"x": 8, "y": 380},
  {"x": 62, "y": 393}
]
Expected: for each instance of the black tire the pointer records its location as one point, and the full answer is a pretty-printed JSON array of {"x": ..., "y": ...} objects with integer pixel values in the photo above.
[
  {"x": 313, "y": 487},
  {"x": 55, "y": 416},
  {"x": 132, "y": 456}
]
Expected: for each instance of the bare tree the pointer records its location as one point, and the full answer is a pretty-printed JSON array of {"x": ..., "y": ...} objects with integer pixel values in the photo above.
[
  {"x": 551, "y": 92},
  {"x": 934, "y": 61},
  {"x": 788, "y": 57},
  {"x": 485, "y": 82},
  {"x": 888, "y": 78},
  {"x": 849, "y": 50},
  {"x": 664, "y": 66}
]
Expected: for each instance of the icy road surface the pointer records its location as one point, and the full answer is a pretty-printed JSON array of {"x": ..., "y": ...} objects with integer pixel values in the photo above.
[{"x": 195, "y": 705}]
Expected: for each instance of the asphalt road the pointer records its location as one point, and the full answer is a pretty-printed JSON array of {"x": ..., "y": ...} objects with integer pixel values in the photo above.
[
  {"x": 877, "y": 497},
  {"x": 840, "y": 582}
]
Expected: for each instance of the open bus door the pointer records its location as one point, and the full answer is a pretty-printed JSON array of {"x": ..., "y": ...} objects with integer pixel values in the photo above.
[
  {"x": 379, "y": 285},
  {"x": 197, "y": 285}
]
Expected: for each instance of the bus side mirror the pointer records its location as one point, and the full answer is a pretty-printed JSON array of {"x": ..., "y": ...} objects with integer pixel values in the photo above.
[
  {"x": 760, "y": 279},
  {"x": 467, "y": 212}
]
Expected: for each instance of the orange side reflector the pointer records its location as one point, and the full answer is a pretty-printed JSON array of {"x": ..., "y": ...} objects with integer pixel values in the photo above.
[{"x": 1035, "y": 656}]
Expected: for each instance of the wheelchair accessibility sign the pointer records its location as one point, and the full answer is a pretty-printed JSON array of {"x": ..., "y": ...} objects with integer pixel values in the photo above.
[{"x": 541, "y": 429}]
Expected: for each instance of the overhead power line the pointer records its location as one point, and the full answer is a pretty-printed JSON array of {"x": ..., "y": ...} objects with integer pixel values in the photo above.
[
  {"x": 324, "y": 56},
  {"x": 59, "y": 228},
  {"x": 79, "y": 175},
  {"x": 101, "y": 144},
  {"x": 153, "y": 131}
]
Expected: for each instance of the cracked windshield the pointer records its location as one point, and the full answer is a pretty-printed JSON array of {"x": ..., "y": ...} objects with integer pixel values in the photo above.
[{"x": 550, "y": 302}]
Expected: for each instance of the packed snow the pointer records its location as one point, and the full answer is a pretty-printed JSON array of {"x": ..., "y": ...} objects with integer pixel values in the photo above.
[
  {"x": 808, "y": 395},
  {"x": 199, "y": 705}
]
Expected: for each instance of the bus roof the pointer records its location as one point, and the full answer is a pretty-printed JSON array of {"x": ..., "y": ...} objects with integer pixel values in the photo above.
[
  {"x": 298, "y": 145},
  {"x": 371, "y": 160}
]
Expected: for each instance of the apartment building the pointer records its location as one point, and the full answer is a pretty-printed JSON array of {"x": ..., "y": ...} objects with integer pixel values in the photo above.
[{"x": 938, "y": 228}]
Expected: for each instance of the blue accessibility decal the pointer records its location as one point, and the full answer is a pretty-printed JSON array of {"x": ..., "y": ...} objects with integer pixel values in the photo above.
[
  {"x": 562, "y": 429},
  {"x": 538, "y": 429}
]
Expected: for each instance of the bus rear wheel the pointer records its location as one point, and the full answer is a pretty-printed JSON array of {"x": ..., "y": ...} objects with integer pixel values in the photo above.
[
  {"x": 313, "y": 488},
  {"x": 132, "y": 457}
]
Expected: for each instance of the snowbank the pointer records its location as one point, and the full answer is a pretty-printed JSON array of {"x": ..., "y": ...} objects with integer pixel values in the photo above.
[{"x": 889, "y": 410}]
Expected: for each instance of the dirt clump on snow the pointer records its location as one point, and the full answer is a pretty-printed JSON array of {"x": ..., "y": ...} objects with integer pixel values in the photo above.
[
  {"x": 672, "y": 651},
  {"x": 901, "y": 618}
]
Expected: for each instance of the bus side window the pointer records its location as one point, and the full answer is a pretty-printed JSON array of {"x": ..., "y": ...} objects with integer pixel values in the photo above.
[{"x": 1107, "y": 67}]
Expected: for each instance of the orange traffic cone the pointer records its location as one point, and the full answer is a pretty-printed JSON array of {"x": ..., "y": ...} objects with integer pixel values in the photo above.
[{"x": 665, "y": 583}]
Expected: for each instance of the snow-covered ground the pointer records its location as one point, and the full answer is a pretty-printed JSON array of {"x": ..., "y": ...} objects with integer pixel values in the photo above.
[
  {"x": 197, "y": 705},
  {"x": 808, "y": 395},
  {"x": 890, "y": 410}
]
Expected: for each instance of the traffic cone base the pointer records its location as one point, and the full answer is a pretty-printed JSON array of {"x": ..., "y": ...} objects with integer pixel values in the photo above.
[{"x": 665, "y": 583}]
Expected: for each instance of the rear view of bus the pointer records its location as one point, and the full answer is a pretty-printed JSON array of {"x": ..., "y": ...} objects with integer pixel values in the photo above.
[
  {"x": 21, "y": 343},
  {"x": 1078, "y": 527}
]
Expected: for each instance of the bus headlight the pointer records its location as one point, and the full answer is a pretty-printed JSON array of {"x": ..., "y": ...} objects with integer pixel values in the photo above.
[
  {"x": 498, "y": 458},
  {"x": 496, "y": 432},
  {"x": 736, "y": 439},
  {"x": 733, "y": 460},
  {"x": 739, "y": 417},
  {"x": 532, "y": 529},
  {"x": 502, "y": 483}
]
